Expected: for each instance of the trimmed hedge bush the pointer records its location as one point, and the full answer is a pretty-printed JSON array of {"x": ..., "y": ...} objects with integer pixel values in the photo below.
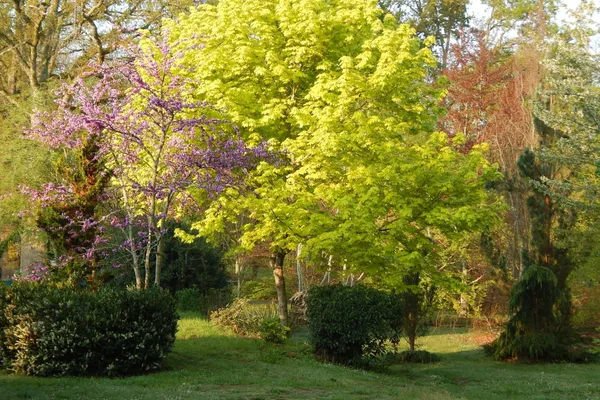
[
  {"x": 348, "y": 323},
  {"x": 51, "y": 332}
]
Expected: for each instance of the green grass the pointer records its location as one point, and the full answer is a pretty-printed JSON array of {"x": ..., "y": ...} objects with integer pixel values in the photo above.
[{"x": 207, "y": 363}]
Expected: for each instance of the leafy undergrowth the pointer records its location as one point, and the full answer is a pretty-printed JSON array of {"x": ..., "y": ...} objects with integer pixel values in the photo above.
[{"x": 207, "y": 363}]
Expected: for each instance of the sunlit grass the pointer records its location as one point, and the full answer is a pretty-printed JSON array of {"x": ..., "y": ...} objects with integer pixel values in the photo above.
[{"x": 207, "y": 363}]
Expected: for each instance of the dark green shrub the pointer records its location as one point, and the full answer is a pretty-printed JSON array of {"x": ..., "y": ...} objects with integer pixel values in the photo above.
[
  {"x": 76, "y": 332},
  {"x": 185, "y": 265},
  {"x": 272, "y": 331},
  {"x": 534, "y": 331},
  {"x": 244, "y": 318},
  {"x": 347, "y": 323},
  {"x": 192, "y": 265},
  {"x": 413, "y": 356},
  {"x": 192, "y": 299},
  {"x": 188, "y": 299}
]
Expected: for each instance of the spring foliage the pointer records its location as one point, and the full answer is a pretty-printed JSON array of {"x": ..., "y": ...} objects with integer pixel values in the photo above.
[{"x": 345, "y": 93}]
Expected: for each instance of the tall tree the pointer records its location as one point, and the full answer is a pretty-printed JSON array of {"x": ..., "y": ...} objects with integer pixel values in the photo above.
[
  {"x": 562, "y": 176},
  {"x": 344, "y": 94},
  {"x": 442, "y": 19}
]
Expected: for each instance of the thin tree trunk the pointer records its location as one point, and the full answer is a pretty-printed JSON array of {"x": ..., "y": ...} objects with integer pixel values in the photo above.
[
  {"x": 277, "y": 264},
  {"x": 411, "y": 342},
  {"x": 299, "y": 268},
  {"x": 160, "y": 257},
  {"x": 137, "y": 271},
  {"x": 238, "y": 274},
  {"x": 147, "y": 259}
]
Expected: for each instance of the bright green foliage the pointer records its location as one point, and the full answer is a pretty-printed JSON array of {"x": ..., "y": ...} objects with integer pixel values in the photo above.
[
  {"x": 273, "y": 332},
  {"x": 345, "y": 94},
  {"x": 51, "y": 331},
  {"x": 258, "y": 289},
  {"x": 347, "y": 323},
  {"x": 22, "y": 162}
]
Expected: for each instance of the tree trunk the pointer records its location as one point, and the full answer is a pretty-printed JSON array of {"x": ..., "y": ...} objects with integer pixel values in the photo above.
[
  {"x": 277, "y": 260},
  {"x": 463, "y": 298},
  {"x": 137, "y": 271},
  {"x": 299, "y": 268},
  {"x": 411, "y": 341},
  {"x": 160, "y": 257},
  {"x": 238, "y": 274},
  {"x": 147, "y": 260}
]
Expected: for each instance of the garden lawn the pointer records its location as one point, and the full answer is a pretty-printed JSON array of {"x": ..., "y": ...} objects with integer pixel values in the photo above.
[{"x": 207, "y": 363}]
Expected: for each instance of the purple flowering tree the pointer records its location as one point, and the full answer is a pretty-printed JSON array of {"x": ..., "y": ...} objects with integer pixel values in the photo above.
[{"x": 156, "y": 145}]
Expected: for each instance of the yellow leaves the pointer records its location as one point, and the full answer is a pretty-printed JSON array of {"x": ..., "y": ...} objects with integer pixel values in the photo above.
[
  {"x": 429, "y": 41},
  {"x": 344, "y": 94}
]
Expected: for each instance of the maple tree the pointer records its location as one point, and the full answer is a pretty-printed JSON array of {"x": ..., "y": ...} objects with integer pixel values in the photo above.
[{"x": 364, "y": 180}]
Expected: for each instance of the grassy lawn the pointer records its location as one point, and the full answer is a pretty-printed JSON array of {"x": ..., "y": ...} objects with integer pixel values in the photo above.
[{"x": 209, "y": 364}]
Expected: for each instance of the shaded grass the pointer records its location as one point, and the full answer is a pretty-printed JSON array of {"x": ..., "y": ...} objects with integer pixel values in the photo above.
[{"x": 207, "y": 363}]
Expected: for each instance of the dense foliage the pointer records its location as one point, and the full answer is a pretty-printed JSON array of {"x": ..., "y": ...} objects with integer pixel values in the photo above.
[
  {"x": 51, "y": 331},
  {"x": 402, "y": 144},
  {"x": 414, "y": 356},
  {"x": 345, "y": 92},
  {"x": 533, "y": 331},
  {"x": 272, "y": 331},
  {"x": 347, "y": 323},
  {"x": 195, "y": 264},
  {"x": 243, "y": 318},
  {"x": 205, "y": 302}
]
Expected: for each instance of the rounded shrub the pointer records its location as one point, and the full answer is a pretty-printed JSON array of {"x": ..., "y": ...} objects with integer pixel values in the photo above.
[
  {"x": 53, "y": 331},
  {"x": 348, "y": 323}
]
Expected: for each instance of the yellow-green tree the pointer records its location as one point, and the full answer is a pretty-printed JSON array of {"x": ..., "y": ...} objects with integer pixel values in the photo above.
[{"x": 344, "y": 94}]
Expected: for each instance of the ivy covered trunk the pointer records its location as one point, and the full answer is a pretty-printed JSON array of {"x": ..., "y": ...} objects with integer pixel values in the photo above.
[{"x": 277, "y": 260}]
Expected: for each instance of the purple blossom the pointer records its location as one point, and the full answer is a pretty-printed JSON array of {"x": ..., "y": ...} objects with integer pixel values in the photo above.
[{"x": 158, "y": 143}]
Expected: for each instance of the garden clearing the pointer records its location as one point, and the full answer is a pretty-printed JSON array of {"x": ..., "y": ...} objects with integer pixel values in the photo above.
[{"x": 207, "y": 363}]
